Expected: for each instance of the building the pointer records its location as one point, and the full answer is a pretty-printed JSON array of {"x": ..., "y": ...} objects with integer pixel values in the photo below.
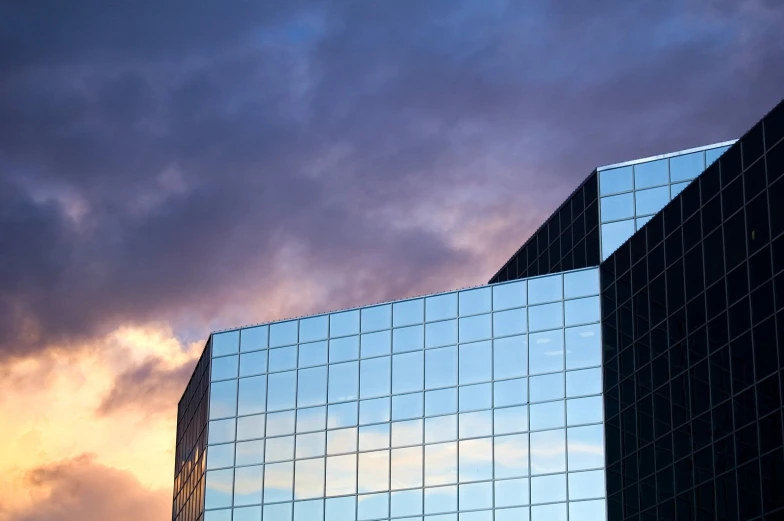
[{"x": 625, "y": 363}]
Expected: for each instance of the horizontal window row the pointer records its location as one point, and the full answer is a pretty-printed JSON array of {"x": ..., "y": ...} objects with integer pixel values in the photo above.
[
  {"x": 510, "y": 420},
  {"x": 636, "y": 204},
  {"x": 500, "y": 457},
  {"x": 379, "y": 507},
  {"x": 314, "y": 387},
  {"x": 410, "y": 312}
]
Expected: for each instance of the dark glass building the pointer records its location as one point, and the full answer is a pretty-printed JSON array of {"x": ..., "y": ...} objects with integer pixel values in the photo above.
[{"x": 625, "y": 364}]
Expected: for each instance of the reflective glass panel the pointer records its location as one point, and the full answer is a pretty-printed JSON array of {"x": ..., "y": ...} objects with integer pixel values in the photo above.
[
  {"x": 615, "y": 180},
  {"x": 344, "y": 323},
  {"x": 340, "y": 509},
  {"x": 222, "y": 431},
  {"x": 548, "y": 489},
  {"x": 281, "y": 391},
  {"x": 283, "y": 358},
  {"x": 546, "y": 352},
  {"x": 675, "y": 190},
  {"x": 283, "y": 333},
  {"x": 313, "y": 328},
  {"x": 475, "y": 328},
  {"x": 311, "y": 354},
  {"x": 308, "y": 510},
  {"x": 615, "y": 234},
  {"x": 443, "y": 401},
  {"x": 279, "y": 512},
  {"x": 510, "y": 392},
  {"x": 374, "y": 437},
  {"x": 582, "y": 311},
  {"x": 587, "y": 510},
  {"x": 548, "y": 452},
  {"x": 250, "y": 452},
  {"x": 312, "y": 419},
  {"x": 278, "y": 482},
  {"x": 586, "y": 447},
  {"x": 441, "y": 367},
  {"x": 376, "y": 318},
  {"x": 279, "y": 449},
  {"x": 441, "y": 333},
  {"x": 375, "y": 344},
  {"x": 713, "y": 154},
  {"x": 510, "y": 357},
  {"x": 219, "y": 488},
  {"x": 509, "y": 420},
  {"x": 440, "y": 499},
  {"x": 475, "y": 397},
  {"x": 408, "y": 312},
  {"x": 373, "y": 471},
  {"x": 651, "y": 173},
  {"x": 511, "y": 493},
  {"x": 441, "y": 464},
  {"x": 583, "y": 382},
  {"x": 406, "y": 503},
  {"x": 312, "y": 387},
  {"x": 545, "y": 316},
  {"x": 373, "y": 506},
  {"x": 545, "y": 289},
  {"x": 474, "y": 496},
  {"x": 309, "y": 475},
  {"x": 583, "y": 346},
  {"x": 220, "y": 456},
  {"x": 511, "y": 295},
  {"x": 310, "y": 445},
  {"x": 374, "y": 411},
  {"x": 441, "y": 428},
  {"x": 475, "y": 301},
  {"x": 475, "y": 362},
  {"x": 225, "y": 343},
  {"x": 342, "y": 415},
  {"x": 686, "y": 166},
  {"x": 406, "y": 469},
  {"x": 247, "y": 514},
  {"x": 343, "y": 382},
  {"x": 546, "y": 387},
  {"x": 651, "y": 200},
  {"x": 406, "y": 406},
  {"x": 248, "y": 482},
  {"x": 407, "y": 433},
  {"x": 548, "y": 415},
  {"x": 584, "y": 410},
  {"x": 440, "y": 307},
  {"x": 511, "y": 456},
  {"x": 254, "y": 338},
  {"x": 640, "y": 222},
  {"x": 374, "y": 377},
  {"x": 280, "y": 423},
  {"x": 408, "y": 372},
  {"x": 343, "y": 349},
  {"x": 476, "y": 424},
  {"x": 510, "y": 322},
  {"x": 617, "y": 207},
  {"x": 253, "y": 363},
  {"x": 475, "y": 457},
  {"x": 586, "y": 485},
  {"x": 581, "y": 283},
  {"x": 223, "y": 399},
  {"x": 408, "y": 339},
  {"x": 224, "y": 367},
  {"x": 341, "y": 475}
]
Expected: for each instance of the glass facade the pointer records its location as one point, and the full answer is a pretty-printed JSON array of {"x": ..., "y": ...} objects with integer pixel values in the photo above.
[
  {"x": 693, "y": 319},
  {"x": 473, "y": 405},
  {"x": 631, "y": 193}
]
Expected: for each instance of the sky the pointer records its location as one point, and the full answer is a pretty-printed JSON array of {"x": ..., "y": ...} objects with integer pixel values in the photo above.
[{"x": 172, "y": 168}]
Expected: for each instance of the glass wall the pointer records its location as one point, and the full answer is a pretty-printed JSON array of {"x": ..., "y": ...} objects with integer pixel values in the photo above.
[
  {"x": 631, "y": 193},
  {"x": 475, "y": 405}
]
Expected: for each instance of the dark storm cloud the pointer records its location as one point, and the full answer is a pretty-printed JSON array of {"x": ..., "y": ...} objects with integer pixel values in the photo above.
[{"x": 171, "y": 161}]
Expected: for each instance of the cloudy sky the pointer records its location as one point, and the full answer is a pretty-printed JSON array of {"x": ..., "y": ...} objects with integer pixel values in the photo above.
[{"x": 172, "y": 168}]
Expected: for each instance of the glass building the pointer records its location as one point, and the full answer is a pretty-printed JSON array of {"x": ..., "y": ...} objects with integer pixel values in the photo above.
[{"x": 626, "y": 363}]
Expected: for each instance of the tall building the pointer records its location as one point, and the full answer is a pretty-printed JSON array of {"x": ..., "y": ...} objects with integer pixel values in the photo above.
[{"x": 626, "y": 363}]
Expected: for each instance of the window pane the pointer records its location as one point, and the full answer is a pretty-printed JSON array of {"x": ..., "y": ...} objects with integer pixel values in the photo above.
[
  {"x": 406, "y": 406},
  {"x": 220, "y": 456},
  {"x": 223, "y": 399},
  {"x": 308, "y": 510},
  {"x": 309, "y": 479},
  {"x": 652, "y": 173},
  {"x": 474, "y": 496},
  {"x": 441, "y": 428},
  {"x": 344, "y": 323},
  {"x": 615, "y": 234},
  {"x": 312, "y": 419},
  {"x": 342, "y": 415},
  {"x": 310, "y": 445},
  {"x": 407, "y": 372},
  {"x": 372, "y": 506},
  {"x": 440, "y": 464},
  {"x": 474, "y": 328},
  {"x": 509, "y": 420},
  {"x": 586, "y": 485},
  {"x": 373, "y": 471},
  {"x": 247, "y": 485},
  {"x": 586, "y": 447},
  {"x": 581, "y": 283},
  {"x": 546, "y": 352},
  {"x": 587, "y": 510},
  {"x": 474, "y": 301},
  {"x": 312, "y": 387},
  {"x": 341, "y": 475},
  {"x": 407, "y": 468},
  {"x": 582, "y": 311},
  {"x": 674, "y": 190},
  {"x": 374, "y": 411},
  {"x": 511, "y": 295},
  {"x": 247, "y": 514},
  {"x": 617, "y": 207},
  {"x": 548, "y": 415},
  {"x": 280, "y": 423},
  {"x": 280, "y": 512},
  {"x": 510, "y": 357},
  {"x": 375, "y": 344},
  {"x": 225, "y": 343},
  {"x": 511, "y": 322},
  {"x": 615, "y": 180},
  {"x": 342, "y": 440},
  {"x": 583, "y": 346},
  {"x": 443, "y": 401},
  {"x": 546, "y": 316},
  {"x": 312, "y": 354},
  {"x": 407, "y": 433},
  {"x": 283, "y": 359},
  {"x": 441, "y": 367},
  {"x": 343, "y": 349},
  {"x": 583, "y": 382},
  {"x": 546, "y": 387},
  {"x": 250, "y": 452},
  {"x": 407, "y": 503},
  {"x": 713, "y": 154},
  {"x": 475, "y": 362},
  {"x": 408, "y": 339},
  {"x": 253, "y": 363},
  {"x": 548, "y": 452},
  {"x": 218, "y": 488},
  {"x": 640, "y": 222},
  {"x": 511, "y": 492},
  {"x": 652, "y": 200},
  {"x": 222, "y": 431},
  {"x": 511, "y": 456},
  {"x": 313, "y": 328},
  {"x": 510, "y": 392},
  {"x": 475, "y": 457},
  {"x": 343, "y": 382},
  {"x": 440, "y": 307},
  {"x": 283, "y": 333},
  {"x": 441, "y": 333},
  {"x": 278, "y": 482},
  {"x": 687, "y": 166},
  {"x": 339, "y": 509},
  {"x": 281, "y": 391},
  {"x": 374, "y": 437},
  {"x": 376, "y": 318},
  {"x": 408, "y": 312},
  {"x": 224, "y": 367},
  {"x": 254, "y": 338},
  {"x": 548, "y": 489},
  {"x": 584, "y": 410},
  {"x": 441, "y": 499},
  {"x": 476, "y": 424},
  {"x": 374, "y": 377},
  {"x": 475, "y": 397},
  {"x": 279, "y": 449}
]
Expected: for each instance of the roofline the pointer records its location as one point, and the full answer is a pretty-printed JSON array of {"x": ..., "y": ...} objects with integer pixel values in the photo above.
[{"x": 668, "y": 155}]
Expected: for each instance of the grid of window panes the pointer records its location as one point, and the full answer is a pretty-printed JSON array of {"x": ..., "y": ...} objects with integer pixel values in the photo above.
[
  {"x": 568, "y": 240},
  {"x": 631, "y": 194},
  {"x": 476, "y": 405},
  {"x": 694, "y": 346},
  {"x": 190, "y": 463}
]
